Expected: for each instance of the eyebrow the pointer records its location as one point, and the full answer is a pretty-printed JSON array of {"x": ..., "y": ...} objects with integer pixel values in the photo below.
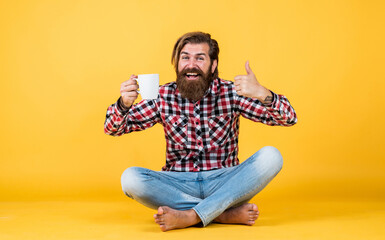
[{"x": 204, "y": 54}]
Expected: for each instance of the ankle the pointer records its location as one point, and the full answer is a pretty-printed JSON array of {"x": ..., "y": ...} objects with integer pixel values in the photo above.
[
  {"x": 193, "y": 216},
  {"x": 220, "y": 218}
]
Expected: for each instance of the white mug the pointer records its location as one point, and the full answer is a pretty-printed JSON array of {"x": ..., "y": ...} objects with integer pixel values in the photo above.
[{"x": 148, "y": 85}]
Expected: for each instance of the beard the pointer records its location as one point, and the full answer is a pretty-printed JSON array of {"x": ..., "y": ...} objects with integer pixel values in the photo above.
[{"x": 193, "y": 90}]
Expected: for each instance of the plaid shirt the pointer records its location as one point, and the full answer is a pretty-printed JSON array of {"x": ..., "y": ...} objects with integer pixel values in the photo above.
[{"x": 200, "y": 135}]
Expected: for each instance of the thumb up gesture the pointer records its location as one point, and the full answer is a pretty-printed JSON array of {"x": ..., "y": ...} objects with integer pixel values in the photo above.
[{"x": 248, "y": 86}]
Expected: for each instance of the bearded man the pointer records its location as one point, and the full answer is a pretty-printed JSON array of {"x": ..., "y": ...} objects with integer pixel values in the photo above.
[{"x": 202, "y": 180}]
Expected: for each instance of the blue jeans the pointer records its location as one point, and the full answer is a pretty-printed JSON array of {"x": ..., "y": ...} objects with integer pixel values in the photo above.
[{"x": 208, "y": 193}]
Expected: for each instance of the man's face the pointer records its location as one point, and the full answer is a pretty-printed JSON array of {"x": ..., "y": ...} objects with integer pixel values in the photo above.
[{"x": 195, "y": 70}]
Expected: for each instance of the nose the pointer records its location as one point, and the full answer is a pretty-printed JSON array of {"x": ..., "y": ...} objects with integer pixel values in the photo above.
[{"x": 192, "y": 63}]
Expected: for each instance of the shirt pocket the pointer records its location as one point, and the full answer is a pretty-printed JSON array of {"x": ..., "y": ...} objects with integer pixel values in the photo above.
[
  {"x": 219, "y": 129},
  {"x": 176, "y": 129}
]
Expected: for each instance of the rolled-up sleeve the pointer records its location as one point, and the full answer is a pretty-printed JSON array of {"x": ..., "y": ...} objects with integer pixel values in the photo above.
[
  {"x": 138, "y": 117},
  {"x": 278, "y": 113}
]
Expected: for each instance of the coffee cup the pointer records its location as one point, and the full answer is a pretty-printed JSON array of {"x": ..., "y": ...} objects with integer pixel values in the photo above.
[{"x": 148, "y": 85}]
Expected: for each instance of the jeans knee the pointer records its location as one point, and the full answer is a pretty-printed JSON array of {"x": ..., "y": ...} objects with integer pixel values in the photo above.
[
  {"x": 272, "y": 157},
  {"x": 130, "y": 180}
]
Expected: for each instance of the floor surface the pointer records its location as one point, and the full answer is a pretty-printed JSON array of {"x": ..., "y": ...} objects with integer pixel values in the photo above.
[{"x": 126, "y": 219}]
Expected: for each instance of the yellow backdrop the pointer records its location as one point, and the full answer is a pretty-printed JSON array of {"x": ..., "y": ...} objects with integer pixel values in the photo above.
[{"x": 62, "y": 63}]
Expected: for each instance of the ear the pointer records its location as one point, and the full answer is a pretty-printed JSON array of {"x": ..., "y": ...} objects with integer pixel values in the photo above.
[{"x": 214, "y": 66}]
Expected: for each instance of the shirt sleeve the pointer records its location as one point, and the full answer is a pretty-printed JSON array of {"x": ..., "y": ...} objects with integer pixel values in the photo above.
[
  {"x": 137, "y": 118},
  {"x": 279, "y": 112}
]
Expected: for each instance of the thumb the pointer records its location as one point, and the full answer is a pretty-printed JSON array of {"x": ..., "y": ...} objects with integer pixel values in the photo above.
[{"x": 248, "y": 69}]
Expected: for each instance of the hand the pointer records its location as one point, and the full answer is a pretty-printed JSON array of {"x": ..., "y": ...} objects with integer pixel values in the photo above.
[
  {"x": 248, "y": 86},
  {"x": 128, "y": 91}
]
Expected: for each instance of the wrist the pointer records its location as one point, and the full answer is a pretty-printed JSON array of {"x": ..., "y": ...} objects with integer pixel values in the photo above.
[
  {"x": 268, "y": 100},
  {"x": 266, "y": 97},
  {"x": 262, "y": 93},
  {"x": 122, "y": 106}
]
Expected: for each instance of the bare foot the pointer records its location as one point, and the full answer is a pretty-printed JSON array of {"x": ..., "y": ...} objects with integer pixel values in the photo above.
[
  {"x": 244, "y": 214},
  {"x": 169, "y": 218}
]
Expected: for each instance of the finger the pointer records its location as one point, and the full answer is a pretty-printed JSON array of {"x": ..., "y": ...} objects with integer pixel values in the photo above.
[
  {"x": 124, "y": 91},
  {"x": 240, "y": 77},
  {"x": 129, "y": 88},
  {"x": 132, "y": 81},
  {"x": 126, "y": 83},
  {"x": 248, "y": 69},
  {"x": 239, "y": 92},
  {"x": 129, "y": 83},
  {"x": 132, "y": 94}
]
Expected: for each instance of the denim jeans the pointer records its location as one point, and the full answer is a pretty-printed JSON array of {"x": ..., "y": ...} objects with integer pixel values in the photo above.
[{"x": 208, "y": 193}]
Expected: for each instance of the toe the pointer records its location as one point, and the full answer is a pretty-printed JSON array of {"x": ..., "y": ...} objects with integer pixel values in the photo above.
[
  {"x": 160, "y": 211},
  {"x": 163, "y": 227}
]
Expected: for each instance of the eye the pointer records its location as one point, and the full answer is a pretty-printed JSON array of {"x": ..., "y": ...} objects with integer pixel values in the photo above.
[{"x": 184, "y": 57}]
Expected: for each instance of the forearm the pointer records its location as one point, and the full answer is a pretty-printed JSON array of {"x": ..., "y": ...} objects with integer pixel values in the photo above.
[
  {"x": 140, "y": 116},
  {"x": 281, "y": 112},
  {"x": 264, "y": 95},
  {"x": 276, "y": 111},
  {"x": 116, "y": 120}
]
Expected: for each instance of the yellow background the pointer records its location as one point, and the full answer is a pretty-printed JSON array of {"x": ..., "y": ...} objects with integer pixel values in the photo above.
[{"x": 62, "y": 63}]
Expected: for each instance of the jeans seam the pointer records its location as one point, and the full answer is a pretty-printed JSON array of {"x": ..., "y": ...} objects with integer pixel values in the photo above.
[
  {"x": 271, "y": 178},
  {"x": 205, "y": 223},
  {"x": 239, "y": 197}
]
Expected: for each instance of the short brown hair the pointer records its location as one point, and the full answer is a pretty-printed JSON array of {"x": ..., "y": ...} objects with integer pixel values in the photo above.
[{"x": 195, "y": 38}]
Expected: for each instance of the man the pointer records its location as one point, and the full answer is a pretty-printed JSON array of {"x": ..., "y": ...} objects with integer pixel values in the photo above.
[{"x": 202, "y": 180}]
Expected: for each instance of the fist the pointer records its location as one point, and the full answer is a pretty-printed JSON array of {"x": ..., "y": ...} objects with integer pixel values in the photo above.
[{"x": 128, "y": 91}]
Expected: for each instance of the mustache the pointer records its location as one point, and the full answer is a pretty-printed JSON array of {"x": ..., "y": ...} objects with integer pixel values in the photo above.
[{"x": 191, "y": 70}]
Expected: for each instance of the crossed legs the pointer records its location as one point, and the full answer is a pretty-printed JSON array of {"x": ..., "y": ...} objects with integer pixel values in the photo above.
[{"x": 185, "y": 199}]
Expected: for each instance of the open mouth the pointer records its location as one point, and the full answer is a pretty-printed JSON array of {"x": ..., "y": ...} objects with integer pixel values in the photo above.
[{"x": 192, "y": 76}]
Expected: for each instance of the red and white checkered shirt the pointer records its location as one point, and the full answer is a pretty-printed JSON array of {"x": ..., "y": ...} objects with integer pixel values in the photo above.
[{"x": 200, "y": 135}]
